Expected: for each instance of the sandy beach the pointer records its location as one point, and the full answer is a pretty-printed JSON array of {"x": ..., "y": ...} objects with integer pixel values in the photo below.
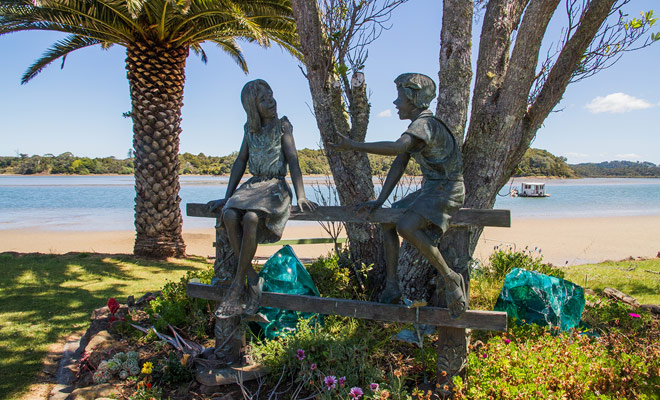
[{"x": 562, "y": 241}]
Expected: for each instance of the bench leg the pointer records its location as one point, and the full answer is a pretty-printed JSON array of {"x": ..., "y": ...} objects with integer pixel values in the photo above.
[
  {"x": 229, "y": 340},
  {"x": 229, "y": 333},
  {"x": 452, "y": 348}
]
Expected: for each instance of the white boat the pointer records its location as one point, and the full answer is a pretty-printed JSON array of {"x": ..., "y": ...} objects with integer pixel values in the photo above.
[{"x": 532, "y": 189}]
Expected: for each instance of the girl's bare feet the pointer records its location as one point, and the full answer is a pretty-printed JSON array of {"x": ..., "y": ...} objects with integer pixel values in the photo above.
[{"x": 232, "y": 304}]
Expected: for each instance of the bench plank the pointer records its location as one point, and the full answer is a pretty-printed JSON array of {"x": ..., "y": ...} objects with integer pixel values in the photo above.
[
  {"x": 472, "y": 319},
  {"x": 464, "y": 216}
]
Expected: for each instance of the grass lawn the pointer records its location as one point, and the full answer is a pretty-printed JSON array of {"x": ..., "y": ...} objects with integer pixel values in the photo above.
[
  {"x": 630, "y": 277},
  {"x": 44, "y": 297}
]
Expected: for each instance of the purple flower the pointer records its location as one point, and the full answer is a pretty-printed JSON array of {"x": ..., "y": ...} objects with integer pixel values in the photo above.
[
  {"x": 484, "y": 355},
  {"x": 312, "y": 367},
  {"x": 632, "y": 314},
  {"x": 342, "y": 381},
  {"x": 300, "y": 354},
  {"x": 356, "y": 392},
  {"x": 373, "y": 387},
  {"x": 507, "y": 341},
  {"x": 330, "y": 382}
]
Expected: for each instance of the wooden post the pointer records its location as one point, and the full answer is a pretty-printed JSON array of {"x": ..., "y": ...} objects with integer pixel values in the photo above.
[{"x": 229, "y": 333}]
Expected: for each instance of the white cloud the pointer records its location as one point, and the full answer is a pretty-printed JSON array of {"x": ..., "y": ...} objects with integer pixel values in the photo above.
[
  {"x": 617, "y": 103},
  {"x": 577, "y": 155},
  {"x": 628, "y": 156},
  {"x": 385, "y": 114}
]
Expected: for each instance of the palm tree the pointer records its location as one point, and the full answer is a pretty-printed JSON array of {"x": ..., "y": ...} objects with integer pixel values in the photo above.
[{"x": 157, "y": 35}]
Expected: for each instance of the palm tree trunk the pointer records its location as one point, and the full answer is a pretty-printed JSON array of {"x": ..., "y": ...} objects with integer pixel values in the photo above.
[{"x": 156, "y": 77}]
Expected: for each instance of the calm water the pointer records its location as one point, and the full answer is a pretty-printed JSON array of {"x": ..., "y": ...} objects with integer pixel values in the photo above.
[{"x": 106, "y": 202}]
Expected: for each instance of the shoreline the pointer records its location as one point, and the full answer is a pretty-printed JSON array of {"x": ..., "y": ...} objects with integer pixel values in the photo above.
[
  {"x": 541, "y": 177},
  {"x": 562, "y": 241}
]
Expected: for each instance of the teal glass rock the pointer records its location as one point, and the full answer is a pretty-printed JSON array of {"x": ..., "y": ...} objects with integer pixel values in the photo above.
[
  {"x": 285, "y": 273},
  {"x": 541, "y": 299}
]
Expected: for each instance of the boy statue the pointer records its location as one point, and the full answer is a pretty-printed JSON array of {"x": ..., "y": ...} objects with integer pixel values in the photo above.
[{"x": 428, "y": 210}]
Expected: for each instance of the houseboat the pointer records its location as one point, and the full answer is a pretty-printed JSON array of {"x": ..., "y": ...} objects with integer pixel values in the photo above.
[{"x": 530, "y": 189}]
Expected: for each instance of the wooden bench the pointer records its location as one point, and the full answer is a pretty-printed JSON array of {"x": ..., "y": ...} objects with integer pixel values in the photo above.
[
  {"x": 453, "y": 328},
  {"x": 472, "y": 319}
]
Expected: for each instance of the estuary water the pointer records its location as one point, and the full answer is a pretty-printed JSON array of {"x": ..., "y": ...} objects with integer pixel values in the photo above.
[{"x": 106, "y": 202}]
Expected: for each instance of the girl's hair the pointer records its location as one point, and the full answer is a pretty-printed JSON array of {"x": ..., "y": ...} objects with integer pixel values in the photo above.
[
  {"x": 249, "y": 100},
  {"x": 418, "y": 88}
]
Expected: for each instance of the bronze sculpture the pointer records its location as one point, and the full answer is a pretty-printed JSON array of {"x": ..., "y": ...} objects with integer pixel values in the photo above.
[
  {"x": 429, "y": 209},
  {"x": 258, "y": 210}
]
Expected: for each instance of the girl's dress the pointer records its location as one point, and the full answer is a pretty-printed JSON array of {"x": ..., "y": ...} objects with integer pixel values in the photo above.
[{"x": 266, "y": 192}]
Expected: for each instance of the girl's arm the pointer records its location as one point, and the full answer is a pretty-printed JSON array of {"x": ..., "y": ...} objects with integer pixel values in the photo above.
[
  {"x": 404, "y": 144},
  {"x": 291, "y": 156},
  {"x": 237, "y": 171}
]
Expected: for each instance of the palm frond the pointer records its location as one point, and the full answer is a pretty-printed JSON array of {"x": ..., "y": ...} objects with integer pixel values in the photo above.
[
  {"x": 232, "y": 48},
  {"x": 71, "y": 16},
  {"x": 198, "y": 50},
  {"x": 60, "y": 49}
]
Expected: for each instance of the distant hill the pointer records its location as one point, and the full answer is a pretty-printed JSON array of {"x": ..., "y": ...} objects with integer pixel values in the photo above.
[
  {"x": 617, "y": 169},
  {"x": 537, "y": 162}
]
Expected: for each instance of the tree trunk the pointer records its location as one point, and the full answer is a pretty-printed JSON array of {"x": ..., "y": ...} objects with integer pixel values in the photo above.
[
  {"x": 351, "y": 170},
  {"x": 156, "y": 78}
]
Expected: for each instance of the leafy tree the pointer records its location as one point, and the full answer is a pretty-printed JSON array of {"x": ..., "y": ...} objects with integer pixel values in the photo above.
[
  {"x": 334, "y": 35},
  {"x": 157, "y": 35},
  {"x": 514, "y": 91}
]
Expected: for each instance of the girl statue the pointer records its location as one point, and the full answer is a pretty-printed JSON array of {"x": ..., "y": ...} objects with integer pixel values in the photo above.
[
  {"x": 429, "y": 209},
  {"x": 258, "y": 210}
]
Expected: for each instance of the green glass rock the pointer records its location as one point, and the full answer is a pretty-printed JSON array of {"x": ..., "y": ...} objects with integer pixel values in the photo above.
[
  {"x": 541, "y": 299},
  {"x": 285, "y": 273}
]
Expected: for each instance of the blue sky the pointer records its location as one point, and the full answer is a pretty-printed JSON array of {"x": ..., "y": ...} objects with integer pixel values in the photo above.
[{"x": 611, "y": 116}]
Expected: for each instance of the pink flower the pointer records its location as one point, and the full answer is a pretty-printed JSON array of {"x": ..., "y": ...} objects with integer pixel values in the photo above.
[
  {"x": 484, "y": 355},
  {"x": 507, "y": 341},
  {"x": 113, "y": 305},
  {"x": 635, "y": 315},
  {"x": 300, "y": 354},
  {"x": 373, "y": 387},
  {"x": 330, "y": 382},
  {"x": 356, "y": 392},
  {"x": 312, "y": 367},
  {"x": 342, "y": 381}
]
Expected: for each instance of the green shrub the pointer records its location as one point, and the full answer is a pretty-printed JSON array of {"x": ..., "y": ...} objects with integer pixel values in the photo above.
[
  {"x": 531, "y": 362},
  {"x": 175, "y": 308},
  {"x": 342, "y": 347},
  {"x": 172, "y": 371},
  {"x": 503, "y": 260},
  {"x": 334, "y": 277}
]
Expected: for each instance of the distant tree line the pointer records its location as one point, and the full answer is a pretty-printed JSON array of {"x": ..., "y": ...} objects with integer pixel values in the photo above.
[
  {"x": 536, "y": 162},
  {"x": 65, "y": 163},
  {"x": 617, "y": 169}
]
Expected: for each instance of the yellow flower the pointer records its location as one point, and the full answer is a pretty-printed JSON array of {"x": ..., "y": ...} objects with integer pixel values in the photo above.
[{"x": 147, "y": 368}]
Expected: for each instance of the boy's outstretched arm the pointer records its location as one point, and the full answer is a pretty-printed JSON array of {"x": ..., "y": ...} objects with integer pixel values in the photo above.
[
  {"x": 289, "y": 147},
  {"x": 404, "y": 144},
  {"x": 393, "y": 175}
]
